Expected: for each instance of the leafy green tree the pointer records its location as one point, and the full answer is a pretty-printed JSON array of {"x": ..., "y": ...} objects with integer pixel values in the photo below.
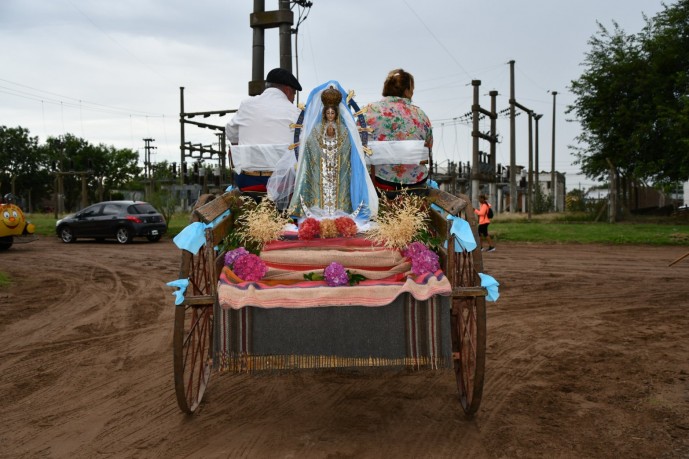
[
  {"x": 633, "y": 101},
  {"x": 609, "y": 97},
  {"x": 23, "y": 164},
  {"x": 104, "y": 167},
  {"x": 665, "y": 42}
]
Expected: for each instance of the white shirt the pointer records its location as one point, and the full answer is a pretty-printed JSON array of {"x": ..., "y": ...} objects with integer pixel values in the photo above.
[{"x": 263, "y": 119}]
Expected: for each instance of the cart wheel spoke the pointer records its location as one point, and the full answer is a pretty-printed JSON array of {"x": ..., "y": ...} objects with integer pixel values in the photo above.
[
  {"x": 192, "y": 354},
  {"x": 468, "y": 330},
  {"x": 193, "y": 332},
  {"x": 469, "y": 326}
]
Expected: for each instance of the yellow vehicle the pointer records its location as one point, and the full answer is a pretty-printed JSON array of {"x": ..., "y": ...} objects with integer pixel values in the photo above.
[{"x": 13, "y": 224}]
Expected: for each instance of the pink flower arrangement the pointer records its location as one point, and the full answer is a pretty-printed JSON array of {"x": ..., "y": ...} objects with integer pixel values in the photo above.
[
  {"x": 335, "y": 275},
  {"x": 346, "y": 226},
  {"x": 250, "y": 267},
  {"x": 232, "y": 255},
  {"x": 423, "y": 259},
  {"x": 246, "y": 266},
  {"x": 309, "y": 229}
]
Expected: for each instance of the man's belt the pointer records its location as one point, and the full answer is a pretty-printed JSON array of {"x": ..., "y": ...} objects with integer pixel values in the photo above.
[{"x": 258, "y": 173}]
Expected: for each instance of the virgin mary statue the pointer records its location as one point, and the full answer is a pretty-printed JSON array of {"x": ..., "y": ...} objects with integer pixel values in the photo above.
[{"x": 331, "y": 177}]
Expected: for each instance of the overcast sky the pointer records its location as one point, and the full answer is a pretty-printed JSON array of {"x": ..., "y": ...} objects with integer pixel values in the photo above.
[{"x": 110, "y": 71}]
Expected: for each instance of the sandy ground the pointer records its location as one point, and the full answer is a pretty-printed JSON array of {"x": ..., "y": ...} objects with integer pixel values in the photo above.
[{"x": 588, "y": 356}]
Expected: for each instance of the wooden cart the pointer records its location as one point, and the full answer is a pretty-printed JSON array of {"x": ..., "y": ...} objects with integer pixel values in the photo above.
[{"x": 194, "y": 317}]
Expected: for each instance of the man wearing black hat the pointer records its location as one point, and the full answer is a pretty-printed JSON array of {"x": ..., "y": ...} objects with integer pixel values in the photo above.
[{"x": 264, "y": 121}]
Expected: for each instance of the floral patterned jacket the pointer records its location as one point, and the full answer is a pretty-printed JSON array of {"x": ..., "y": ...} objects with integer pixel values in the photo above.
[{"x": 396, "y": 118}]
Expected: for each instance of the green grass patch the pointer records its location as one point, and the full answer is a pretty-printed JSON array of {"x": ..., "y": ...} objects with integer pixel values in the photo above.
[
  {"x": 4, "y": 279},
  {"x": 571, "y": 227}
]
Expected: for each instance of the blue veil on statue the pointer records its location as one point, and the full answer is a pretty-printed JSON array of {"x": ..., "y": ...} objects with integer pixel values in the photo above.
[{"x": 355, "y": 183}]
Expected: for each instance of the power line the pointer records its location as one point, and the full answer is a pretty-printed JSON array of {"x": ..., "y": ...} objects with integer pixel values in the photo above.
[
  {"x": 437, "y": 40},
  {"x": 58, "y": 99}
]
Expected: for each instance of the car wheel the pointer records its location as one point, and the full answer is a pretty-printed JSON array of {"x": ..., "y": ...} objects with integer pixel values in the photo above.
[
  {"x": 123, "y": 235},
  {"x": 155, "y": 238},
  {"x": 66, "y": 234}
]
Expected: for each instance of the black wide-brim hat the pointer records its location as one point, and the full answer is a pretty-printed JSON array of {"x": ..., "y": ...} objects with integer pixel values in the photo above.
[{"x": 283, "y": 76}]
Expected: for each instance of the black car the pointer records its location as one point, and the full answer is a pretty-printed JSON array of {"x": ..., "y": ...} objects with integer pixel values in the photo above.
[{"x": 122, "y": 220}]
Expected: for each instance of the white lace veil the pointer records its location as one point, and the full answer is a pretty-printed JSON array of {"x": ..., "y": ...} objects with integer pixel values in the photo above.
[{"x": 281, "y": 183}]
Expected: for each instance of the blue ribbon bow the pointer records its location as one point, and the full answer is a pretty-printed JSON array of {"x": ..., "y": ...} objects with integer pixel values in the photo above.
[
  {"x": 491, "y": 286},
  {"x": 181, "y": 284}
]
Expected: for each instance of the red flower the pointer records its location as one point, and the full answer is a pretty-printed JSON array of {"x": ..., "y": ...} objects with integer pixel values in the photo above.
[
  {"x": 345, "y": 226},
  {"x": 309, "y": 229}
]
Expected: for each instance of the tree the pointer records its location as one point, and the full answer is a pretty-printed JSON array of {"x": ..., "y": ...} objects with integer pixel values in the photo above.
[
  {"x": 665, "y": 41},
  {"x": 633, "y": 101},
  {"x": 23, "y": 164},
  {"x": 105, "y": 168}
]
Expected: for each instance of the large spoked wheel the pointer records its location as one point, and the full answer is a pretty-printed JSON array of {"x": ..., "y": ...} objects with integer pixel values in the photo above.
[
  {"x": 192, "y": 345},
  {"x": 468, "y": 320},
  {"x": 192, "y": 340},
  {"x": 469, "y": 350}
]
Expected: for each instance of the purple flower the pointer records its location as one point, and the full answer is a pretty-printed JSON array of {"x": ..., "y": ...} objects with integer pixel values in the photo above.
[
  {"x": 335, "y": 275},
  {"x": 414, "y": 248},
  {"x": 423, "y": 260},
  {"x": 250, "y": 267},
  {"x": 232, "y": 255}
]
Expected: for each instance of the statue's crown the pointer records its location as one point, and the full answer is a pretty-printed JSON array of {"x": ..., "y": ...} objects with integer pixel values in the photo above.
[{"x": 331, "y": 97}]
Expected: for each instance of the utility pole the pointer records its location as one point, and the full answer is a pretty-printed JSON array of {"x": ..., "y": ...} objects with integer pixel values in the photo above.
[
  {"x": 147, "y": 166},
  {"x": 513, "y": 145},
  {"x": 475, "y": 137},
  {"x": 475, "y": 174},
  {"x": 513, "y": 177},
  {"x": 553, "y": 184},
  {"x": 530, "y": 185},
  {"x": 493, "y": 187},
  {"x": 259, "y": 20},
  {"x": 537, "y": 184},
  {"x": 182, "y": 142}
]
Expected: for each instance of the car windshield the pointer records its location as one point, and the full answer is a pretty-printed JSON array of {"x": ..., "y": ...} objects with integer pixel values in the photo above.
[{"x": 142, "y": 208}]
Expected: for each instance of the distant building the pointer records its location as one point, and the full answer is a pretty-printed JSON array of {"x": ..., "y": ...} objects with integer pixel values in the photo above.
[
  {"x": 455, "y": 178},
  {"x": 545, "y": 183}
]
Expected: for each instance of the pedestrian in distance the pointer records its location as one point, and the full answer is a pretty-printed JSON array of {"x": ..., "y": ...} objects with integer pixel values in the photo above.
[{"x": 483, "y": 221}]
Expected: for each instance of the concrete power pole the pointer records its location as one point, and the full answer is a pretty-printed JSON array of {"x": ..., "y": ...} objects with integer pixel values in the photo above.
[
  {"x": 553, "y": 183},
  {"x": 536, "y": 169},
  {"x": 148, "y": 170},
  {"x": 260, "y": 19},
  {"x": 513, "y": 145}
]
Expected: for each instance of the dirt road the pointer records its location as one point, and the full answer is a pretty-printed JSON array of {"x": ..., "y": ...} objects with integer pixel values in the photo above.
[{"x": 588, "y": 356}]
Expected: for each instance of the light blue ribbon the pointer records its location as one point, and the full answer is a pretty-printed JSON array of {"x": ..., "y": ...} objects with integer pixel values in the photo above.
[
  {"x": 181, "y": 284},
  {"x": 229, "y": 188},
  {"x": 193, "y": 236},
  {"x": 433, "y": 184},
  {"x": 461, "y": 230},
  {"x": 491, "y": 286}
]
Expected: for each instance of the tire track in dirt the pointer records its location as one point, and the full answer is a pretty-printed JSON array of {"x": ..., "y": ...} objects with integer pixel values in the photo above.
[{"x": 586, "y": 357}]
